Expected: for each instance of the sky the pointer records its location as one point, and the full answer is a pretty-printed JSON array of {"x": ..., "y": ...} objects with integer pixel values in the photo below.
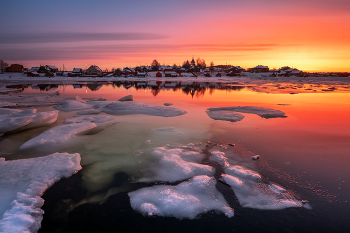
[{"x": 311, "y": 35}]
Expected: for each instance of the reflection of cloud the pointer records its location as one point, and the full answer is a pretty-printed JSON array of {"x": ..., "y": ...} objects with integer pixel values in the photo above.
[
  {"x": 105, "y": 51},
  {"x": 74, "y": 37}
]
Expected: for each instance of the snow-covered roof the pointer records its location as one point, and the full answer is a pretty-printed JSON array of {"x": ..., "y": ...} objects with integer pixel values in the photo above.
[
  {"x": 52, "y": 67},
  {"x": 77, "y": 70}
]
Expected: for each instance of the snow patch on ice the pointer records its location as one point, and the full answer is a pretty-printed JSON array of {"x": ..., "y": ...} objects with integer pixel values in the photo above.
[
  {"x": 22, "y": 182},
  {"x": 72, "y": 105},
  {"x": 219, "y": 157},
  {"x": 175, "y": 165},
  {"x": 88, "y": 112},
  {"x": 186, "y": 200},
  {"x": 243, "y": 172},
  {"x": 59, "y": 134}
]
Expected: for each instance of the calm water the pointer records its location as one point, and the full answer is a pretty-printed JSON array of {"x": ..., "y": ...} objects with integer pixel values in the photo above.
[{"x": 308, "y": 153}]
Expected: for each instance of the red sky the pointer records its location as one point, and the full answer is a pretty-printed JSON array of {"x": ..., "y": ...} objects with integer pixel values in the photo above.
[{"x": 310, "y": 35}]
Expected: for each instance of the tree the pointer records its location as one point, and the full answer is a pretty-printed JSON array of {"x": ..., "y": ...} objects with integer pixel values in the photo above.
[
  {"x": 201, "y": 63},
  {"x": 3, "y": 65},
  {"x": 155, "y": 65},
  {"x": 211, "y": 66}
]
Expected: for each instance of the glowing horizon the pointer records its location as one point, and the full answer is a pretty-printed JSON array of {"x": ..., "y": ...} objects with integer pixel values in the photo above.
[{"x": 309, "y": 35}]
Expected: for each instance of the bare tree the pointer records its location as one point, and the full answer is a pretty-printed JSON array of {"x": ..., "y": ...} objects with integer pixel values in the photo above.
[
  {"x": 211, "y": 68},
  {"x": 155, "y": 65},
  {"x": 3, "y": 65},
  {"x": 201, "y": 63}
]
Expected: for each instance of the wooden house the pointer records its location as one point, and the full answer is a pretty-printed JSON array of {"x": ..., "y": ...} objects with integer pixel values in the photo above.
[
  {"x": 15, "y": 68},
  {"x": 93, "y": 70}
]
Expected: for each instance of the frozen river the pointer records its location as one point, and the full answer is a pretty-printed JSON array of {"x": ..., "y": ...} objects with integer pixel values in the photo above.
[{"x": 181, "y": 159}]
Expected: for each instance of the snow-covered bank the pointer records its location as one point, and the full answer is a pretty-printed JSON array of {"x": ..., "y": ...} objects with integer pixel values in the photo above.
[{"x": 23, "y": 181}]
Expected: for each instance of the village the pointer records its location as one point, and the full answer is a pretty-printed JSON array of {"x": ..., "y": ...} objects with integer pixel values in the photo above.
[{"x": 193, "y": 68}]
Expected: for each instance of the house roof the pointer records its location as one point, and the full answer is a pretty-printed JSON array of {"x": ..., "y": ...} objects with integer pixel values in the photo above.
[{"x": 52, "y": 67}]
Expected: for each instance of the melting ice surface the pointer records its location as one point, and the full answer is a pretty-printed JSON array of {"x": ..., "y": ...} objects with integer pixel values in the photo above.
[
  {"x": 186, "y": 200},
  {"x": 23, "y": 181},
  {"x": 13, "y": 120},
  {"x": 230, "y": 113},
  {"x": 176, "y": 165}
]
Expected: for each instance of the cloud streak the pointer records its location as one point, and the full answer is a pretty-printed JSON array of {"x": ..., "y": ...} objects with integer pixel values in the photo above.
[{"x": 75, "y": 37}]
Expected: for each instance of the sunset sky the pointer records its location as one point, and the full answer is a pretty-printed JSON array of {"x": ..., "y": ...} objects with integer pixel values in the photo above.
[{"x": 312, "y": 35}]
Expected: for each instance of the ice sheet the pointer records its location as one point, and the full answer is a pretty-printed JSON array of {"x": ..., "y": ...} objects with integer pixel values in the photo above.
[
  {"x": 225, "y": 115},
  {"x": 131, "y": 107},
  {"x": 59, "y": 134},
  {"x": 175, "y": 165},
  {"x": 260, "y": 111},
  {"x": 259, "y": 195},
  {"x": 186, "y": 200},
  {"x": 22, "y": 182},
  {"x": 19, "y": 120}
]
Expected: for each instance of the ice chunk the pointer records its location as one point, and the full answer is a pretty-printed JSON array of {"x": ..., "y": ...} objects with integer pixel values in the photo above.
[
  {"x": 22, "y": 182},
  {"x": 168, "y": 104},
  {"x": 186, "y": 200},
  {"x": 175, "y": 165},
  {"x": 256, "y": 195},
  {"x": 59, "y": 134},
  {"x": 72, "y": 105},
  {"x": 88, "y": 112},
  {"x": 7, "y": 111},
  {"x": 260, "y": 111},
  {"x": 6, "y": 104},
  {"x": 243, "y": 173},
  {"x": 255, "y": 157},
  {"x": 80, "y": 100},
  {"x": 225, "y": 115},
  {"x": 130, "y": 107},
  {"x": 219, "y": 157},
  {"x": 87, "y": 118},
  {"x": 26, "y": 119},
  {"x": 127, "y": 98},
  {"x": 276, "y": 188}
]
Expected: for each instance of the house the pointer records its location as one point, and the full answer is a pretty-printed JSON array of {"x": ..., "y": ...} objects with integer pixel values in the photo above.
[
  {"x": 52, "y": 69},
  {"x": 34, "y": 69},
  {"x": 43, "y": 70},
  {"x": 15, "y": 68},
  {"x": 33, "y": 74},
  {"x": 170, "y": 74},
  {"x": 259, "y": 69},
  {"x": 159, "y": 75},
  {"x": 93, "y": 70}
]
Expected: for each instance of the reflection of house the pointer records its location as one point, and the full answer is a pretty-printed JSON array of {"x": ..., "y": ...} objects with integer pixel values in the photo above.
[
  {"x": 93, "y": 70},
  {"x": 15, "y": 68},
  {"x": 94, "y": 87}
]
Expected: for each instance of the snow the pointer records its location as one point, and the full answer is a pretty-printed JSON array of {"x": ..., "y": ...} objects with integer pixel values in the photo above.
[
  {"x": 59, "y": 134},
  {"x": 243, "y": 172},
  {"x": 6, "y": 104},
  {"x": 130, "y": 107},
  {"x": 23, "y": 181},
  {"x": 251, "y": 194},
  {"x": 219, "y": 157},
  {"x": 260, "y": 111},
  {"x": 127, "y": 98},
  {"x": 17, "y": 120},
  {"x": 186, "y": 200},
  {"x": 72, "y": 105},
  {"x": 225, "y": 115},
  {"x": 88, "y": 112},
  {"x": 175, "y": 165}
]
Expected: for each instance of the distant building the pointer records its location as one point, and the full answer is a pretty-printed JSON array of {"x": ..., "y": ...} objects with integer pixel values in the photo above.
[
  {"x": 52, "y": 69},
  {"x": 15, "y": 68},
  {"x": 259, "y": 69},
  {"x": 93, "y": 70}
]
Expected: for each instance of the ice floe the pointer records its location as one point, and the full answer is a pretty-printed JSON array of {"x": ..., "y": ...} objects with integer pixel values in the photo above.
[
  {"x": 130, "y": 107},
  {"x": 259, "y": 195},
  {"x": 59, "y": 134},
  {"x": 260, "y": 111},
  {"x": 127, "y": 98},
  {"x": 22, "y": 182},
  {"x": 225, "y": 115},
  {"x": 219, "y": 157},
  {"x": 6, "y": 104},
  {"x": 176, "y": 165},
  {"x": 168, "y": 104},
  {"x": 12, "y": 120},
  {"x": 186, "y": 200},
  {"x": 72, "y": 105},
  {"x": 243, "y": 172},
  {"x": 88, "y": 112}
]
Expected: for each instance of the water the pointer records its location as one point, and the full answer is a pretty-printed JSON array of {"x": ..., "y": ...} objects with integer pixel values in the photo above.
[{"x": 308, "y": 153}]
